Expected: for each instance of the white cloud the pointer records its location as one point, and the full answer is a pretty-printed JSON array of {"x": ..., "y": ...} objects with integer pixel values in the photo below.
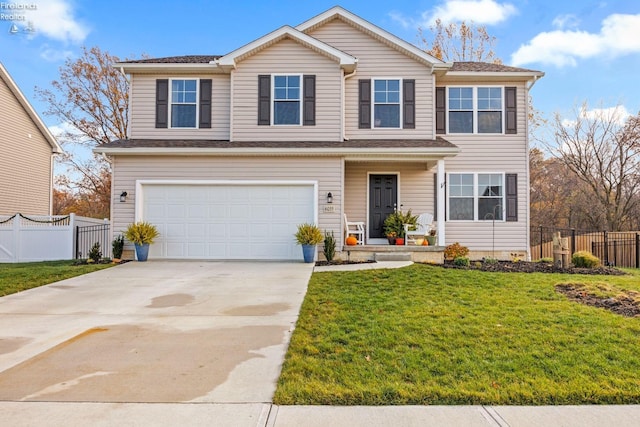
[
  {"x": 618, "y": 114},
  {"x": 489, "y": 12},
  {"x": 55, "y": 19},
  {"x": 54, "y": 55},
  {"x": 561, "y": 22},
  {"x": 619, "y": 35}
]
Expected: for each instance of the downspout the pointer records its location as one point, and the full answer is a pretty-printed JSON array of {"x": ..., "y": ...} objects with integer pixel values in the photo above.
[
  {"x": 528, "y": 169},
  {"x": 344, "y": 103}
]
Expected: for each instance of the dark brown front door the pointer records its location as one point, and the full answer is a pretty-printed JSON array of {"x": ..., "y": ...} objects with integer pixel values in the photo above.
[{"x": 383, "y": 198}]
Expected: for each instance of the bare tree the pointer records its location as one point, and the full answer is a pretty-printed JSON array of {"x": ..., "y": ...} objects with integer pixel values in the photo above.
[
  {"x": 603, "y": 151},
  {"x": 459, "y": 42},
  {"x": 91, "y": 99}
]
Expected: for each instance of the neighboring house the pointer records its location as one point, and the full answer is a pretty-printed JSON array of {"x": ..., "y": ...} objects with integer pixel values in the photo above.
[
  {"x": 27, "y": 147},
  {"x": 226, "y": 154}
]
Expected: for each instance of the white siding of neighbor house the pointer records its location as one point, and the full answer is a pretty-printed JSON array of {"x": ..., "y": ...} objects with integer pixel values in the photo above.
[
  {"x": 143, "y": 108},
  {"x": 25, "y": 162},
  {"x": 287, "y": 57},
  {"x": 497, "y": 153},
  {"x": 378, "y": 60},
  {"x": 128, "y": 169}
]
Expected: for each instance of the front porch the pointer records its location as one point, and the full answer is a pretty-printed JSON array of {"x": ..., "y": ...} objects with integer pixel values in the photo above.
[{"x": 426, "y": 254}]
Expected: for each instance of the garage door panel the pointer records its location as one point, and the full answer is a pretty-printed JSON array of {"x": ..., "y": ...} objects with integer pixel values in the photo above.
[{"x": 210, "y": 221}]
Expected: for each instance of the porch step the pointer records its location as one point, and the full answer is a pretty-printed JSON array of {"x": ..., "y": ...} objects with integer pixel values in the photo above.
[{"x": 392, "y": 256}]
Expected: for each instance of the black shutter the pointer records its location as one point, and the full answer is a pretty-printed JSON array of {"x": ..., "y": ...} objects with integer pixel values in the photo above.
[
  {"x": 364, "y": 104},
  {"x": 409, "y": 104},
  {"x": 441, "y": 110},
  {"x": 162, "y": 103},
  {"x": 309, "y": 100},
  {"x": 264, "y": 100},
  {"x": 510, "y": 103},
  {"x": 512, "y": 196},
  {"x": 205, "y": 104}
]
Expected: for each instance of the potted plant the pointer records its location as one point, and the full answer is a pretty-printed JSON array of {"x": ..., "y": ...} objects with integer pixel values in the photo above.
[
  {"x": 141, "y": 234},
  {"x": 308, "y": 235},
  {"x": 394, "y": 223},
  {"x": 391, "y": 237},
  {"x": 431, "y": 238},
  {"x": 117, "y": 246}
]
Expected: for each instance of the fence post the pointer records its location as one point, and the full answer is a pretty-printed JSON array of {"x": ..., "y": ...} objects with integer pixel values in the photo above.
[
  {"x": 606, "y": 248},
  {"x": 541, "y": 241},
  {"x": 637, "y": 250},
  {"x": 615, "y": 252},
  {"x": 573, "y": 241}
]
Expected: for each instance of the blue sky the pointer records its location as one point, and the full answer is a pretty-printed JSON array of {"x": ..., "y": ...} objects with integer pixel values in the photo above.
[{"x": 589, "y": 50}]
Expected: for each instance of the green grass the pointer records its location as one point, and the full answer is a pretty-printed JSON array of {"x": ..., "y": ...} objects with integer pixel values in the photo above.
[
  {"x": 428, "y": 335},
  {"x": 23, "y": 276}
]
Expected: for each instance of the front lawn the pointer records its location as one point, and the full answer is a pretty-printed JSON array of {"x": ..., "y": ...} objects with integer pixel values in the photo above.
[
  {"x": 428, "y": 335},
  {"x": 22, "y": 276}
]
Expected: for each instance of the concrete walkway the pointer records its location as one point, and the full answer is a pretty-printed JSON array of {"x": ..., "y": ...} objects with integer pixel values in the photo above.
[{"x": 194, "y": 344}]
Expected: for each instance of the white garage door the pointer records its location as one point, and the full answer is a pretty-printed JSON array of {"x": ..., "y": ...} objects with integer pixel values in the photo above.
[{"x": 227, "y": 221}]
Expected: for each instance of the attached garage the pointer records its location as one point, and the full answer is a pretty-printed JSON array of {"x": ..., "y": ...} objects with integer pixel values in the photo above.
[{"x": 226, "y": 219}]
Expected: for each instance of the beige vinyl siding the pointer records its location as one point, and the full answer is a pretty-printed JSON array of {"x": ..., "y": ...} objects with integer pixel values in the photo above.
[
  {"x": 378, "y": 60},
  {"x": 415, "y": 187},
  {"x": 287, "y": 57},
  {"x": 494, "y": 153},
  {"x": 128, "y": 169},
  {"x": 143, "y": 108},
  {"x": 25, "y": 162}
]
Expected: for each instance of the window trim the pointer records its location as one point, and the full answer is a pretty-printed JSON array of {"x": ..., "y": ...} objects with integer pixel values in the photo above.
[
  {"x": 170, "y": 103},
  {"x": 400, "y": 102},
  {"x": 300, "y": 98},
  {"x": 475, "y": 110},
  {"x": 476, "y": 197}
]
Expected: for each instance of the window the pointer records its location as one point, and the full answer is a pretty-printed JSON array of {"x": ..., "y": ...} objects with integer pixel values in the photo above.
[
  {"x": 476, "y": 197},
  {"x": 386, "y": 103},
  {"x": 184, "y": 97},
  {"x": 286, "y": 100},
  {"x": 475, "y": 109}
]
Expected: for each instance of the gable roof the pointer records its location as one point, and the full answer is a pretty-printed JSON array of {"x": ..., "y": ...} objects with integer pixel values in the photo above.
[
  {"x": 13, "y": 87},
  {"x": 378, "y": 33},
  {"x": 346, "y": 61}
]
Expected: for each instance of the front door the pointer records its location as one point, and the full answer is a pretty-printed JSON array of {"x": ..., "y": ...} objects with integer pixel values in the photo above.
[{"x": 383, "y": 199}]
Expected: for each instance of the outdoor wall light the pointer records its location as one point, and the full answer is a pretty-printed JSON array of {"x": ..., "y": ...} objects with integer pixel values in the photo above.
[
  {"x": 329, "y": 197},
  {"x": 123, "y": 197}
]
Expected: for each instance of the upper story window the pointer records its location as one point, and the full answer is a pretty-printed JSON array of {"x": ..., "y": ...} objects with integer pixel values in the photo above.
[
  {"x": 476, "y": 197},
  {"x": 475, "y": 109},
  {"x": 184, "y": 95},
  {"x": 287, "y": 105},
  {"x": 386, "y": 103}
]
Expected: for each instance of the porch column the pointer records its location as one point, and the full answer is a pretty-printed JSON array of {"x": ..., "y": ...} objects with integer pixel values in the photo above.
[{"x": 441, "y": 203}]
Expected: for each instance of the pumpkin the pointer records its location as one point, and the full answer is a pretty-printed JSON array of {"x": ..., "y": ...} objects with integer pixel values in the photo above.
[
  {"x": 425, "y": 242},
  {"x": 352, "y": 241}
]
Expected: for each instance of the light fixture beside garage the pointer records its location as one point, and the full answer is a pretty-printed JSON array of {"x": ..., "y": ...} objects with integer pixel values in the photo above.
[
  {"x": 123, "y": 197},
  {"x": 329, "y": 197}
]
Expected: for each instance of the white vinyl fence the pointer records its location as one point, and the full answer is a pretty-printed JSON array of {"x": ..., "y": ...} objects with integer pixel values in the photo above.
[{"x": 27, "y": 238}]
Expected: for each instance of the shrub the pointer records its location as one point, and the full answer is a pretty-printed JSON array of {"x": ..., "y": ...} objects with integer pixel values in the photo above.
[
  {"x": 546, "y": 260},
  {"x": 329, "y": 246},
  {"x": 490, "y": 261},
  {"x": 585, "y": 259},
  {"x": 117, "y": 246},
  {"x": 141, "y": 233},
  {"x": 461, "y": 261},
  {"x": 95, "y": 254},
  {"x": 455, "y": 250}
]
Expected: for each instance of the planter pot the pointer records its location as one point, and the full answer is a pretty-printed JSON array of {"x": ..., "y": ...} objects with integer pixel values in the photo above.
[
  {"x": 308, "y": 253},
  {"x": 431, "y": 240},
  {"x": 399, "y": 241},
  {"x": 392, "y": 240},
  {"x": 142, "y": 252}
]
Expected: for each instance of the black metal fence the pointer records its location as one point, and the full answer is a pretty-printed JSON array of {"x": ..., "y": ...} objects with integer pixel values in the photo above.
[
  {"x": 87, "y": 236},
  {"x": 615, "y": 248}
]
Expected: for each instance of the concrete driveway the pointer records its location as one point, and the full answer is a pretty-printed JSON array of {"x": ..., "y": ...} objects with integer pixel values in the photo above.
[{"x": 168, "y": 332}]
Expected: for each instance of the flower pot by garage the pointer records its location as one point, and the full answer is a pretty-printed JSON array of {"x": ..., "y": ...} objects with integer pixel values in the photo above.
[
  {"x": 308, "y": 252},
  {"x": 431, "y": 240},
  {"x": 142, "y": 252}
]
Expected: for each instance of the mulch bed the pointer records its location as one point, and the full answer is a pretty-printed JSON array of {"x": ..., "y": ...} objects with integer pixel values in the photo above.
[
  {"x": 534, "y": 267},
  {"x": 338, "y": 262},
  {"x": 625, "y": 304}
]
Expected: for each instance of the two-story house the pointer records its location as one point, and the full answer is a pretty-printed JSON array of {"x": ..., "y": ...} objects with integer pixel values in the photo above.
[
  {"x": 227, "y": 154},
  {"x": 27, "y": 151}
]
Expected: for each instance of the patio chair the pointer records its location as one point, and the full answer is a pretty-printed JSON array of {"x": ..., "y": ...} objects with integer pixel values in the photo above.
[
  {"x": 424, "y": 225},
  {"x": 354, "y": 228}
]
